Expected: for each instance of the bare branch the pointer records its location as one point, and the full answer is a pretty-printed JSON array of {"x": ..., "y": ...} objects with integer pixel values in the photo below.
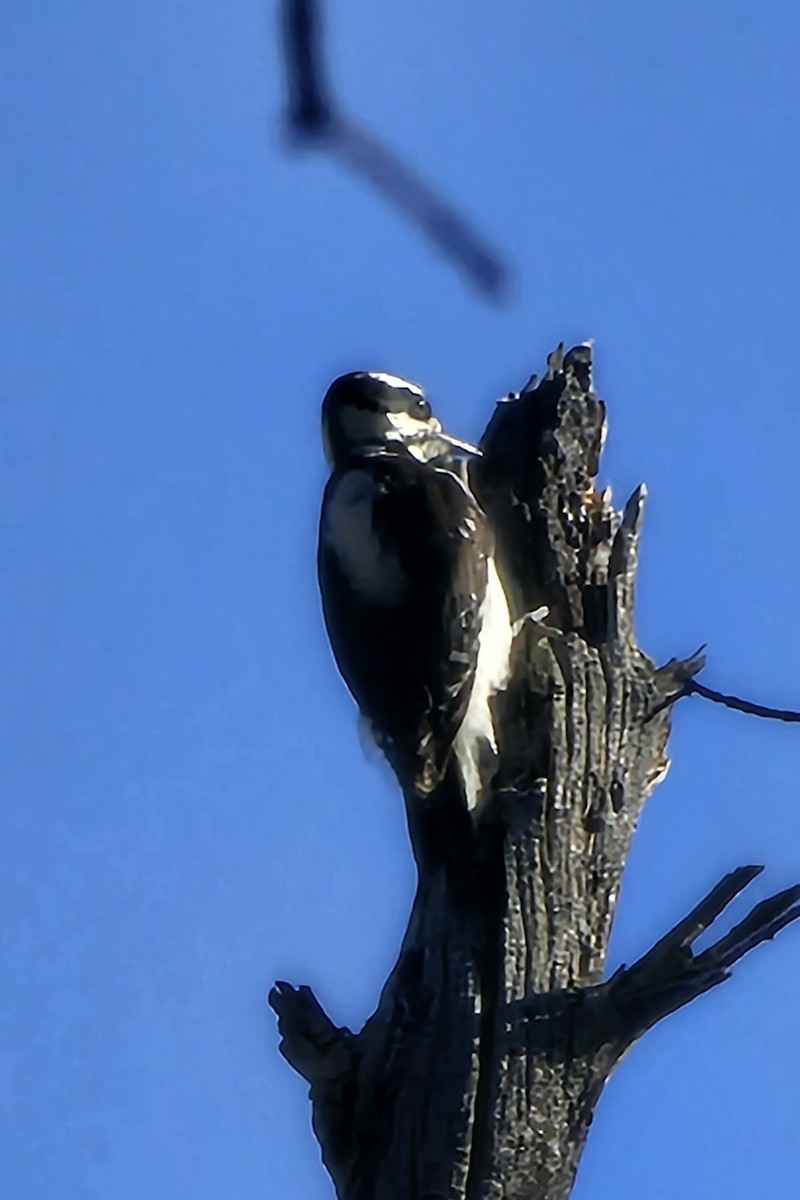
[
  {"x": 450, "y": 232},
  {"x": 309, "y": 103},
  {"x": 766, "y": 919},
  {"x": 693, "y": 688},
  {"x": 670, "y": 975},
  {"x": 702, "y": 916},
  {"x": 677, "y": 681},
  {"x": 310, "y": 1043},
  {"x": 315, "y": 116}
]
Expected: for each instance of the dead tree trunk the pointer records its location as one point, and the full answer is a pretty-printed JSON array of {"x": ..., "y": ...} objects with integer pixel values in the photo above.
[{"x": 477, "y": 1077}]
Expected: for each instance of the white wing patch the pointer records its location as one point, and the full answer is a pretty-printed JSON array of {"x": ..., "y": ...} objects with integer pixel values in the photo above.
[
  {"x": 476, "y": 734},
  {"x": 347, "y": 528}
]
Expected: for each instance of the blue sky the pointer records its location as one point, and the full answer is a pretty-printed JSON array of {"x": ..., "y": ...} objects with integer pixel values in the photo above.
[{"x": 187, "y": 810}]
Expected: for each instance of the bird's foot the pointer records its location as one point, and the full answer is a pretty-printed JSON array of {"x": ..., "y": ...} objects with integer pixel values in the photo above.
[{"x": 537, "y": 616}]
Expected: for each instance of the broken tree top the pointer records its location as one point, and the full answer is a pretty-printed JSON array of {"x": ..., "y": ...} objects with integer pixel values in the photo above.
[{"x": 478, "y": 1074}]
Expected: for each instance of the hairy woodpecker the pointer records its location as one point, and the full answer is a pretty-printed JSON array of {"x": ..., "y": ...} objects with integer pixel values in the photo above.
[{"x": 416, "y": 614}]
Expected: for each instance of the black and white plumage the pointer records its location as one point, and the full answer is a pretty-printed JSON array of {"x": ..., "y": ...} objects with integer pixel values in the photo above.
[{"x": 415, "y": 610}]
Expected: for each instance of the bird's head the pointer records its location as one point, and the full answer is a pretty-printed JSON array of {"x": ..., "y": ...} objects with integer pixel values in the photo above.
[{"x": 369, "y": 412}]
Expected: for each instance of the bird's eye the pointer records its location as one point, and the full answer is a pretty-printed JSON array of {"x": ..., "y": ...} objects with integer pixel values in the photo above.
[
  {"x": 422, "y": 410},
  {"x": 364, "y": 402}
]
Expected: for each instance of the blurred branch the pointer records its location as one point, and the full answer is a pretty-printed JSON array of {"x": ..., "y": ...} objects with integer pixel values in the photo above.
[
  {"x": 313, "y": 116},
  {"x": 309, "y": 105}
]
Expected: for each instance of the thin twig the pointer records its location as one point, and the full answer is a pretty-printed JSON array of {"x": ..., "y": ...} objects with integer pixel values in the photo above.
[{"x": 692, "y": 687}]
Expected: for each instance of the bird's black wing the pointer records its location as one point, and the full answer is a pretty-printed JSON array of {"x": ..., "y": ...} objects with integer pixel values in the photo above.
[{"x": 406, "y": 650}]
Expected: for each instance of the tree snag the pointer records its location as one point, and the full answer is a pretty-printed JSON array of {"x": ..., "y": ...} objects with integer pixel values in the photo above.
[{"x": 477, "y": 1076}]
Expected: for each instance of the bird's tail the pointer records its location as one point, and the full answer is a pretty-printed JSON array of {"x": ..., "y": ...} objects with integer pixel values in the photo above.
[{"x": 441, "y": 829}]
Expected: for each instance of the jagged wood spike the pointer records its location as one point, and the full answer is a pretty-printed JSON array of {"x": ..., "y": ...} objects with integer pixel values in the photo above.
[
  {"x": 766, "y": 919},
  {"x": 704, "y": 914}
]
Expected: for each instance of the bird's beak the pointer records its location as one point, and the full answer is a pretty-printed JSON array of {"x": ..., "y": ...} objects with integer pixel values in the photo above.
[{"x": 465, "y": 447}]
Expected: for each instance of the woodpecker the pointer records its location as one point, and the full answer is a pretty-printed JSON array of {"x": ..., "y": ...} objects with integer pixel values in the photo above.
[{"x": 414, "y": 607}]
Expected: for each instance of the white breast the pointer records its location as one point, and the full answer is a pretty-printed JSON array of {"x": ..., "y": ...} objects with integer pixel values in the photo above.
[
  {"x": 347, "y": 528},
  {"x": 475, "y": 743}
]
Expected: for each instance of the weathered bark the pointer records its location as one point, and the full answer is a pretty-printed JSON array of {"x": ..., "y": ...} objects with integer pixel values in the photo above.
[{"x": 477, "y": 1077}]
